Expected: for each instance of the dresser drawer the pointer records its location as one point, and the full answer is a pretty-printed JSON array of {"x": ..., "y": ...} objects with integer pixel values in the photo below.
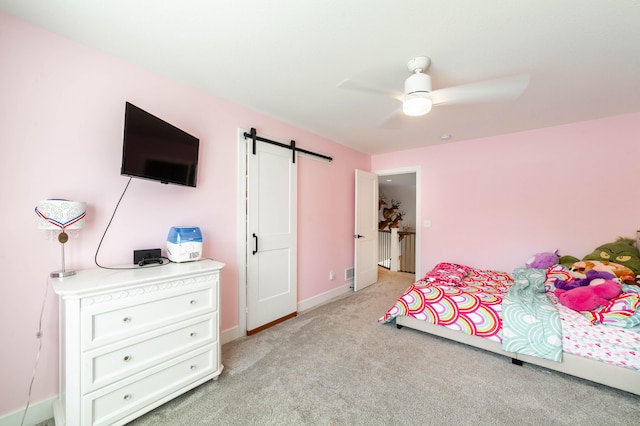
[
  {"x": 116, "y": 361},
  {"x": 109, "y": 406},
  {"x": 105, "y": 326},
  {"x": 133, "y": 339}
]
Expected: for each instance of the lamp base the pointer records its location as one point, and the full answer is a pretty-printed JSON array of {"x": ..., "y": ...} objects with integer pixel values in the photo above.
[{"x": 61, "y": 274}]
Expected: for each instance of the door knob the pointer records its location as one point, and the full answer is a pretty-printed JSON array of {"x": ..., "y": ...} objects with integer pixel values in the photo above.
[{"x": 358, "y": 236}]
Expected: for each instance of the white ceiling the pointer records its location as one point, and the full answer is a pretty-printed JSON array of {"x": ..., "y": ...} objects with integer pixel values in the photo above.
[{"x": 286, "y": 58}]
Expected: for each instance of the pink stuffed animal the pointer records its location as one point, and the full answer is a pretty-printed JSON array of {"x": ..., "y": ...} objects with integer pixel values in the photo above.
[{"x": 590, "y": 297}]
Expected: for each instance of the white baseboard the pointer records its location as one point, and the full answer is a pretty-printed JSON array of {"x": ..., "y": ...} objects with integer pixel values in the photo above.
[
  {"x": 230, "y": 335},
  {"x": 315, "y": 301},
  {"x": 304, "y": 305},
  {"x": 38, "y": 413}
]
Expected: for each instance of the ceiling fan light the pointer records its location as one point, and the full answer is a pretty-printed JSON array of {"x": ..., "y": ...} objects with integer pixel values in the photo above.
[{"x": 417, "y": 103}]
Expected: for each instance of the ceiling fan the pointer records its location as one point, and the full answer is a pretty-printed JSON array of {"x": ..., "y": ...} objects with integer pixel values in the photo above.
[{"x": 418, "y": 96}]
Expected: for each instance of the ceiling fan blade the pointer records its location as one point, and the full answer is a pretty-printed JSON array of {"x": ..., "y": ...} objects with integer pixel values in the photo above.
[
  {"x": 392, "y": 121},
  {"x": 499, "y": 89},
  {"x": 361, "y": 87}
]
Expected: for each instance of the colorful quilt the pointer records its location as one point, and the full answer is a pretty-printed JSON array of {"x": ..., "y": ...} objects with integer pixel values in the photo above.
[
  {"x": 457, "y": 297},
  {"x": 531, "y": 323},
  {"x": 612, "y": 345},
  {"x": 522, "y": 313},
  {"x": 622, "y": 311}
]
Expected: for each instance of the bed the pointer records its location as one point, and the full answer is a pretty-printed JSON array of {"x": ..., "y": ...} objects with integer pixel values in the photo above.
[{"x": 517, "y": 315}]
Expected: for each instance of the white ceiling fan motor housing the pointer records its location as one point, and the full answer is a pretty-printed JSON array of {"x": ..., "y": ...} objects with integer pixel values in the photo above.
[
  {"x": 418, "y": 82},
  {"x": 417, "y": 100}
]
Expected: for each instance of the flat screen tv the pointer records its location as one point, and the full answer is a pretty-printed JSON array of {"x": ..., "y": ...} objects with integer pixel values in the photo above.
[{"x": 156, "y": 150}]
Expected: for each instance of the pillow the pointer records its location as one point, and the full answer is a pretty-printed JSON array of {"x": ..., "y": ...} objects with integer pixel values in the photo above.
[
  {"x": 447, "y": 274},
  {"x": 489, "y": 276}
]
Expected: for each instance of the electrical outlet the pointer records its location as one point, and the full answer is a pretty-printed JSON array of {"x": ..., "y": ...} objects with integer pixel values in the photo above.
[
  {"x": 331, "y": 276},
  {"x": 139, "y": 255}
]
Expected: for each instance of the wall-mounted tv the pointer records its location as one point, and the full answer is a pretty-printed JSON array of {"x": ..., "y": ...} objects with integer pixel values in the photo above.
[{"x": 154, "y": 149}]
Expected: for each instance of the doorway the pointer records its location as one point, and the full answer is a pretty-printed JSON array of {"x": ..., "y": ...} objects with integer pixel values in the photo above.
[{"x": 402, "y": 187}]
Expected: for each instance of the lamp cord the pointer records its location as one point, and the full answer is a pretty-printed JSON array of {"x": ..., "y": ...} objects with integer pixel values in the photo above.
[{"x": 35, "y": 367}]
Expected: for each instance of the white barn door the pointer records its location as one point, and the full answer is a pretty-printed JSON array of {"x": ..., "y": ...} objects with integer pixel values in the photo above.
[{"x": 271, "y": 236}]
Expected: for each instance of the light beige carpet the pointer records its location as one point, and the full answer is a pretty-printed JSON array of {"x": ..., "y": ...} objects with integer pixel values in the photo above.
[{"x": 335, "y": 365}]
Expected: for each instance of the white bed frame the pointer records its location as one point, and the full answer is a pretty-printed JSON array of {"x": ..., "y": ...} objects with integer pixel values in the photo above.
[{"x": 596, "y": 371}]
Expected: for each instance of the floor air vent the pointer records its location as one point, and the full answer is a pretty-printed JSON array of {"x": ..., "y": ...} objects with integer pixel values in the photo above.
[{"x": 348, "y": 274}]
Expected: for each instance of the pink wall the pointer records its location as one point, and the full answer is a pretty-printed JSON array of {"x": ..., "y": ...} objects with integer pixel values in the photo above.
[
  {"x": 61, "y": 120},
  {"x": 326, "y": 214},
  {"x": 494, "y": 202},
  {"x": 61, "y": 113}
]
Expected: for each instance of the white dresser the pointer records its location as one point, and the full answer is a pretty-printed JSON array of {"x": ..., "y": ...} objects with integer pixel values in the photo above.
[{"x": 131, "y": 340}]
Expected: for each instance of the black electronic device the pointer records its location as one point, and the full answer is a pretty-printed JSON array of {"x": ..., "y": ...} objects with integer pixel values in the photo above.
[
  {"x": 154, "y": 149},
  {"x": 140, "y": 257},
  {"x": 151, "y": 261}
]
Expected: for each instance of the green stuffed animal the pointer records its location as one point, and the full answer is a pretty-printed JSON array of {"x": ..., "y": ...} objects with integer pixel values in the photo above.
[{"x": 621, "y": 251}]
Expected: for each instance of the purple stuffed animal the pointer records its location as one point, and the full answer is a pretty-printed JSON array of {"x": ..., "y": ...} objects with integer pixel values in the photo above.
[
  {"x": 592, "y": 274},
  {"x": 543, "y": 260}
]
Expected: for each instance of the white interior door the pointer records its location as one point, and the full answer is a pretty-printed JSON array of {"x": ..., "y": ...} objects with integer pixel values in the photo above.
[
  {"x": 366, "y": 227},
  {"x": 271, "y": 236}
]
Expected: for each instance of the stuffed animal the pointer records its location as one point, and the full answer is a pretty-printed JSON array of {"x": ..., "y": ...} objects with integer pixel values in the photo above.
[
  {"x": 593, "y": 277},
  {"x": 619, "y": 257},
  {"x": 590, "y": 297},
  {"x": 543, "y": 260},
  {"x": 624, "y": 274}
]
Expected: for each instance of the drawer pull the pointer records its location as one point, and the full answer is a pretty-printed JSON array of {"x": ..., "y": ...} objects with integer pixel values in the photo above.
[
  {"x": 193, "y": 367},
  {"x": 192, "y": 334},
  {"x": 126, "y": 319},
  {"x": 127, "y": 397},
  {"x": 193, "y": 302},
  {"x": 127, "y": 358}
]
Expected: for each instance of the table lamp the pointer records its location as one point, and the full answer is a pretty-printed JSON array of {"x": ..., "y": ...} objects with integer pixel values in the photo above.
[{"x": 60, "y": 215}]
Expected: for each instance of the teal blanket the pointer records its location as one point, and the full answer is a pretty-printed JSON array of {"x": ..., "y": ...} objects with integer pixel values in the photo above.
[{"x": 530, "y": 322}]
